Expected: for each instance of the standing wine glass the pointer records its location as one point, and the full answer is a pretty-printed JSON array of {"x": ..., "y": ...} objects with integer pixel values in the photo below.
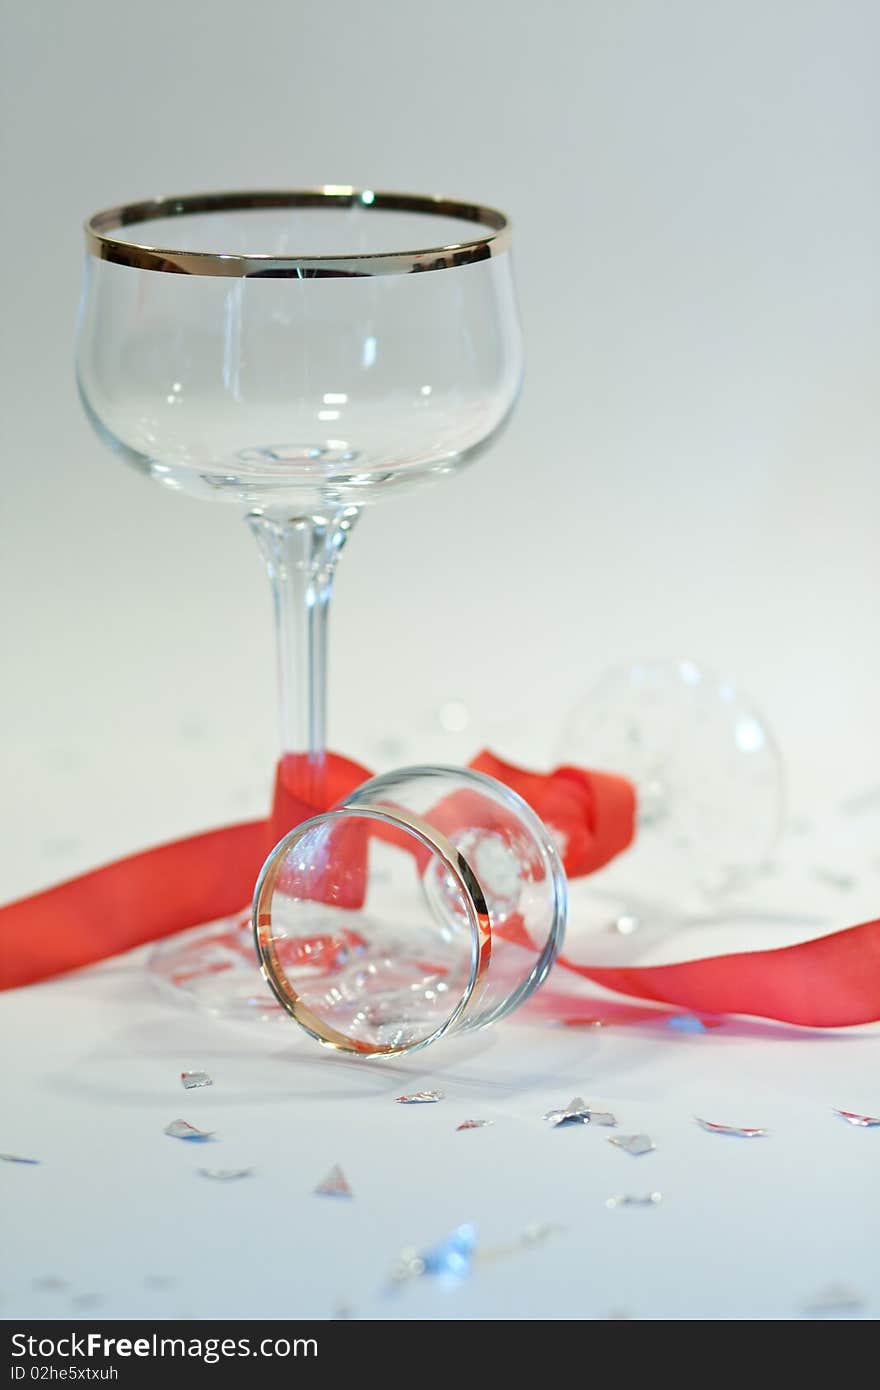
[{"x": 290, "y": 353}]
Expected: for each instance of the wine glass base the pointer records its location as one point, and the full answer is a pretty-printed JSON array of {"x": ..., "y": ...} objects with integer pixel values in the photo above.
[{"x": 214, "y": 968}]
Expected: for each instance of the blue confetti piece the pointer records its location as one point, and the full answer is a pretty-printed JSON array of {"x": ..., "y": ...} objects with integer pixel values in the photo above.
[
  {"x": 453, "y": 1257},
  {"x": 688, "y": 1023}
]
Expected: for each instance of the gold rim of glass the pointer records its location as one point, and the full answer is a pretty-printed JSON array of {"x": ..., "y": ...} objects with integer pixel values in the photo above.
[{"x": 103, "y": 239}]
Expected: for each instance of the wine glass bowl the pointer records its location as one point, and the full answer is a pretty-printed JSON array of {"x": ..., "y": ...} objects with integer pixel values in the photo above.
[
  {"x": 709, "y": 783},
  {"x": 298, "y": 354},
  {"x": 290, "y": 349}
]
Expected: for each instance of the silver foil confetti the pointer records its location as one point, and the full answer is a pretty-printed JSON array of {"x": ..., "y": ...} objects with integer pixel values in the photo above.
[
  {"x": 635, "y": 1144},
  {"x": 837, "y": 1298},
  {"x": 192, "y": 1080},
  {"x": 624, "y": 1199},
  {"x": 533, "y": 1234},
  {"x": 420, "y": 1098},
  {"x": 835, "y": 879},
  {"x": 17, "y": 1158},
  {"x": 225, "y": 1174},
  {"x": 735, "y": 1130},
  {"x": 334, "y": 1185},
  {"x": 861, "y": 1121},
  {"x": 577, "y": 1112},
  {"x": 473, "y": 1124},
  {"x": 602, "y": 1117},
  {"x": 540, "y": 1230},
  {"x": 182, "y": 1129},
  {"x": 867, "y": 800}
]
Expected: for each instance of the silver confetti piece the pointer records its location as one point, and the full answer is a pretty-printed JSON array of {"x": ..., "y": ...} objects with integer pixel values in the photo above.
[
  {"x": 577, "y": 1112},
  {"x": 862, "y": 1121},
  {"x": 601, "y": 1117},
  {"x": 837, "y": 1298},
  {"x": 540, "y": 1230},
  {"x": 533, "y": 1234},
  {"x": 835, "y": 879},
  {"x": 408, "y": 1265},
  {"x": 182, "y": 1129},
  {"x": 473, "y": 1124},
  {"x": 334, "y": 1185},
  {"x": 735, "y": 1130},
  {"x": 635, "y": 1144},
  {"x": 624, "y": 1199},
  {"x": 420, "y": 1098},
  {"x": 17, "y": 1158},
  {"x": 225, "y": 1174},
  {"x": 192, "y": 1080},
  {"x": 867, "y": 800}
]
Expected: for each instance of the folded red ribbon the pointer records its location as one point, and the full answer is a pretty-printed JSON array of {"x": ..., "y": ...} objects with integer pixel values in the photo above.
[{"x": 832, "y": 981}]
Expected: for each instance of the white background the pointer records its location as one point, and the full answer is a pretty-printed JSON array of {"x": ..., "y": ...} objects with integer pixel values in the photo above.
[{"x": 691, "y": 470}]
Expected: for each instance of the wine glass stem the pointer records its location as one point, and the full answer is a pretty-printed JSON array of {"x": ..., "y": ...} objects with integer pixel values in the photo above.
[{"x": 300, "y": 554}]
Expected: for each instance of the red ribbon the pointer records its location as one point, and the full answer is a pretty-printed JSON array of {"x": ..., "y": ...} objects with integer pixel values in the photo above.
[{"x": 832, "y": 981}]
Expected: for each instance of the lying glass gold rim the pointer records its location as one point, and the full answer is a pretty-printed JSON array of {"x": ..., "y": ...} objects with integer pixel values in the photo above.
[
  {"x": 103, "y": 242},
  {"x": 456, "y": 865}
]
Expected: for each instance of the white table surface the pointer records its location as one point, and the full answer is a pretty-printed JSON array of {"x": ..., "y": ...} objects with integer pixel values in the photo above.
[{"x": 746, "y": 1229}]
